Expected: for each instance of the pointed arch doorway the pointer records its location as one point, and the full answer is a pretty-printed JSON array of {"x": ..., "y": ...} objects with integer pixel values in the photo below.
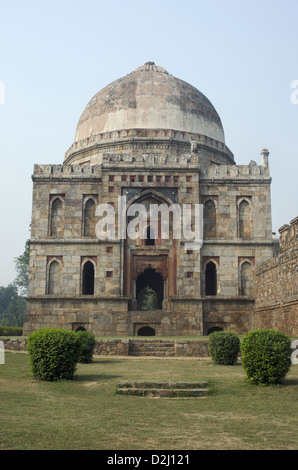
[
  {"x": 148, "y": 281},
  {"x": 149, "y": 290}
]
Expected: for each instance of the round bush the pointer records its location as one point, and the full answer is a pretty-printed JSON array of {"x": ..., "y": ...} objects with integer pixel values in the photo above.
[
  {"x": 266, "y": 356},
  {"x": 53, "y": 353},
  {"x": 87, "y": 342},
  {"x": 224, "y": 347}
]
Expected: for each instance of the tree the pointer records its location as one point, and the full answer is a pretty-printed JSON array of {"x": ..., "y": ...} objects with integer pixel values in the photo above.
[
  {"x": 12, "y": 306},
  {"x": 147, "y": 299},
  {"x": 7, "y": 294},
  {"x": 12, "y": 297},
  {"x": 16, "y": 312},
  {"x": 22, "y": 268}
]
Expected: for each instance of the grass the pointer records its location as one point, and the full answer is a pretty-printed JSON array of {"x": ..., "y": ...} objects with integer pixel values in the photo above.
[{"x": 86, "y": 413}]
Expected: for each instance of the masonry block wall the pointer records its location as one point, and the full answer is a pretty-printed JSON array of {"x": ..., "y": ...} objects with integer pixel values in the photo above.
[
  {"x": 64, "y": 246},
  {"x": 236, "y": 252},
  {"x": 277, "y": 285}
]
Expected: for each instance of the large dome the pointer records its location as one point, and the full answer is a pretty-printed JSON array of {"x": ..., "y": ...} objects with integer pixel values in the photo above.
[{"x": 149, "y": 98}]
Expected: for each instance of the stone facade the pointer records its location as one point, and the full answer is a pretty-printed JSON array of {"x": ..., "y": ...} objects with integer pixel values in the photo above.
[
  {"x": 79, "y": 280},
  {"x": 277, "y": 285}
]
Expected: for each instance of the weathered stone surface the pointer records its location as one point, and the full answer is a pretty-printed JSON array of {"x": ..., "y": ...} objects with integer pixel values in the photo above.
[
  {"x": 126, "y": 347},
  {"x": 149, "y": 98},
  {"x": 163, "y": 389},
  {"x": 14, "y": 344},
  {"x": 277, "y": 285}
]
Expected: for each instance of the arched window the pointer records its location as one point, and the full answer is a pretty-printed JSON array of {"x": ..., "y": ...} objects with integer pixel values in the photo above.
[
  {"x": 54, "y": 278},
  {"x": 209, "y": 220},
  {"x": 210, "y": 279},
  {"x": 150, "y": 239},
  {"x": 244, "y": 219},
  {"x": 56, "y": 222},
  {"x": 89, "y": 218},
  {"x": 88, "y": 278},
  {"x": 246, "y": 282}
]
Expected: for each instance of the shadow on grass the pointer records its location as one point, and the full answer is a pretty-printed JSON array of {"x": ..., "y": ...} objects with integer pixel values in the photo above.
[
  {"x": 291, "y": 381},
  {"x": 105, "y": 361},
  {"x": 94, "y": 377}
]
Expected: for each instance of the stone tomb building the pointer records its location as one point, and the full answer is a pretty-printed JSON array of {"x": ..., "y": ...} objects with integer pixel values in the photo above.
[{"x": 153, "y": 139}]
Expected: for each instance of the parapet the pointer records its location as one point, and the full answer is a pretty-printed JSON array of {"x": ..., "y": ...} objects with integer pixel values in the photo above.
[
  {"x": 230, "y": 172},
  {"x": 66, "y": 171},
  {"x": 288, "y": 232},
  {"x": 288, "y": 244}
]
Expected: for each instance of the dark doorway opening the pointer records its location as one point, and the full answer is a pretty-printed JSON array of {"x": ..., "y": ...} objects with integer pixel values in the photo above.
[
  {"x": 146, "y": 331},
  {"x": 149, "y": 290},
  {"x": 210, "y": 279},
  {"x": 213, "y": 329},
  {"x": 88, "y": 279},
  {"x": 81, "y": 328}
]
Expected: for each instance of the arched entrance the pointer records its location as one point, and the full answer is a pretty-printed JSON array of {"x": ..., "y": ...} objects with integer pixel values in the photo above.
[
  {"x": 146, "y": 331},
  {"x": 149, "y": 290}
]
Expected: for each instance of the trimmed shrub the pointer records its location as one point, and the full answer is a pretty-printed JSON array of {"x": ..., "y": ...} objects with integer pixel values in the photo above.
[
  {"x": 266, "y": 356},
  {"x": 87, "y": 342},
  {"x": 11, "y": 331},
  {"x": 224, "y": 347},
  {"x": 53, "y": 353}
]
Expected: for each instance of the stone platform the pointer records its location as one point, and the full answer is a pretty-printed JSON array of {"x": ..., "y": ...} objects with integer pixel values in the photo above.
[
  {"x": 163, "y": 389},
  {"x": 132, "y": 347}
]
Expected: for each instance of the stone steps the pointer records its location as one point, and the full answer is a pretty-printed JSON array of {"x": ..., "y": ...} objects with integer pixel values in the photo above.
[
  {"x": 157, "y": 348},
  {"x": 163, "y": 389}
]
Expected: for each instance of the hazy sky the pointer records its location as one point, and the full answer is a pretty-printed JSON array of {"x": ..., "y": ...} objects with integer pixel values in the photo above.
[{"x": 56, "y": 55}]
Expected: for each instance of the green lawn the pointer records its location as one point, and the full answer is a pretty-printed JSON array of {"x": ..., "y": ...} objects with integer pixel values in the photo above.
[{"x": 86, "y": 413}]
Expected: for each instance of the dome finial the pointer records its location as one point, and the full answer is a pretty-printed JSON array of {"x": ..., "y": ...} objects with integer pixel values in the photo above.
[{"x": 150, "y": 67}]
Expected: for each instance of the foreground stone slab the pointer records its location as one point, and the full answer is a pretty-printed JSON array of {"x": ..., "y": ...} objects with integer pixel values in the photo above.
[
  {"x": 163, "y": 389},
  {"x": 167, "y": 385},
  {"x": 160, "y": 392}
]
